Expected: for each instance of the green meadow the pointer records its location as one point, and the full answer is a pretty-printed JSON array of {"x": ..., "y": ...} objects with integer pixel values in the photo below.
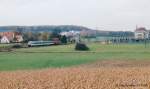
[{"x": 65, "y": 55}]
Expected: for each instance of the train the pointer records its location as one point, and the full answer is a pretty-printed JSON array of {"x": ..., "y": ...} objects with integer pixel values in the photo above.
[{"x": 42, "y": 43}]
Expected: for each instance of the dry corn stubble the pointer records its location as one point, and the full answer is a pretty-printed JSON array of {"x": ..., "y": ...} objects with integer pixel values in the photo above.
[{"x": 78, "y": 78}]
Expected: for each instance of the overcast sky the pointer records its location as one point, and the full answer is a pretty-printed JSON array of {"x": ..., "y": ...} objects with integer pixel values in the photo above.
[{"x": 103, "y": 14}]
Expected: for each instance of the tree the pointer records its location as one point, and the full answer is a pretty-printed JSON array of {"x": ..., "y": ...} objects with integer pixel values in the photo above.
[
  {"x": 25, "y": 37},
  {"x": 29, "y": 36},
  {"x": 55, "y": 34},
  {"x": 45, "y": 36},
  {"x": 39, "y": 36},
  {"x": 64, "y": 39}
]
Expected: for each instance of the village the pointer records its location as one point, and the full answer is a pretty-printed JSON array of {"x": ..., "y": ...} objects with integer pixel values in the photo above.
[{"x": 139, "y": 35}]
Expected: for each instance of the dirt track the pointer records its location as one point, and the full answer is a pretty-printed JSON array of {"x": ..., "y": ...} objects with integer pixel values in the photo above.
[{"x": 99, "y": 75}]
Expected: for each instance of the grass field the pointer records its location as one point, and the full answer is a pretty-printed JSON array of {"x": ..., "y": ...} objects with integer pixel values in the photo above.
[{"x": 65, "y": 55}]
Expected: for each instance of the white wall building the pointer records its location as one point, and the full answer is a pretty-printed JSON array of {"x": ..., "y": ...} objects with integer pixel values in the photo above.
[
  {"x": 4, "y": 39},
  {"x": 73, "y": 35},
  {"x": 141, "y": 33},
  {"x": 70, "y": 33}
]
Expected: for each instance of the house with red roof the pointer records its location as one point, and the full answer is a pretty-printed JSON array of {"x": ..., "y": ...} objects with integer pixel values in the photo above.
[
  {"x": 4, "y": 39},
  {"x": 8, "y": 37}
]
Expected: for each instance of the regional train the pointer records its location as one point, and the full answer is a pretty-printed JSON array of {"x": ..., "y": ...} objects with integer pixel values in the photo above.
[{"x": 42, "y": 43}]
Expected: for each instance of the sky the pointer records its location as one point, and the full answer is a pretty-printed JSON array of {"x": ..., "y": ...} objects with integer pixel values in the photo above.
[{"x": 122, "y": 15}]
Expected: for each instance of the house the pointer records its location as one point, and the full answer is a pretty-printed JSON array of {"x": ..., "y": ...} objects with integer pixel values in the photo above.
[
  {"x": 141, "y": 33},
  {"x": 7, "y": 37},
  {"x": 4, "y": 39},
  {"x": 18, "y": 38},
  {"x": 70, "y": 33}
]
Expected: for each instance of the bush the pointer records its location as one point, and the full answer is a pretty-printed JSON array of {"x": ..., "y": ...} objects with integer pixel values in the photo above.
[
  {"x": 17, "y": 46},
  {"x": 81, "y": 47}
]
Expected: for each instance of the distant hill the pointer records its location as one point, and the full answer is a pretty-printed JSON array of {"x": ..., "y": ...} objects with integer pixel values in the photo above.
[
  {"x": 35, "y": 29},
  {"x": 4, "y": 29},
  {"x": 64, "y": 28}
]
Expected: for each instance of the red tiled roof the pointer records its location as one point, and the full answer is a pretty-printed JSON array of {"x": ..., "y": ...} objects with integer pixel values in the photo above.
[{"x": 9, "y": 35}]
